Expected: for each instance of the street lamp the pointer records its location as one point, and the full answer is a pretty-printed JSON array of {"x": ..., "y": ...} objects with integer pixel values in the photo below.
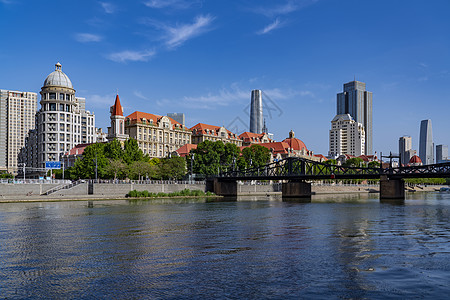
[{"x": 192, "y": 166}]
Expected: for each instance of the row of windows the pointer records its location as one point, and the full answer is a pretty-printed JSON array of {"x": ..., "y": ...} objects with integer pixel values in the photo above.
[{"x": 54, "y": 96}]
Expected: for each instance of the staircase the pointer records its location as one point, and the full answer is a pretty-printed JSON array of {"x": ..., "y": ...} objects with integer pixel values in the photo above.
[{"x": 62, "y": 187}]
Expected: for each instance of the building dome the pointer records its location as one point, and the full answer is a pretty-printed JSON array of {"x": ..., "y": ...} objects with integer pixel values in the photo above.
[
  {"x": 294, "y": 143},
  {"x": 58, "y": 78},
  {"x": 415, "y": 160}
]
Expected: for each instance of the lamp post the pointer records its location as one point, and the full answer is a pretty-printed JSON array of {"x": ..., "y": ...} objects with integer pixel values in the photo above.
[
  {"x": 96, "y": 166},
  {"x": 192, "y": 166}
]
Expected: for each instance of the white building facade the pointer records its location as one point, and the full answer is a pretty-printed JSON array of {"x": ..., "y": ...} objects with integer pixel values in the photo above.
[
  {"x": 17, "y": 112},
  {"x": 346, "y": 137},
  {"x": 62, "y": 122}
]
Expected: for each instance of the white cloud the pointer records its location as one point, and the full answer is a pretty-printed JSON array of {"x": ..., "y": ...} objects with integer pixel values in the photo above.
[
  {"x": 140, "y": 95},
  {"x": 284, "y": 9},
  {"x": 272, "y": 26},
  {"x": 101, "y": 100},
  {"x": 129, "y": 55},
  {"x": 179, "y": 34},
  {"x": 87, "y": 37},
  {"x": 6, "y": 1},
  {"x": 178, "y": 4},
  {"x": 109, "y": 8}
]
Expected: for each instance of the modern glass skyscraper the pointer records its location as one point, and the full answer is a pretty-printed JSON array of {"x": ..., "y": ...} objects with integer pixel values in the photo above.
[
  {"x": 357, "y": 102},
  {"x": 441, "y": 153},
  {"x": 426, "y": 147},
  {"x": 256, "y": 112}
]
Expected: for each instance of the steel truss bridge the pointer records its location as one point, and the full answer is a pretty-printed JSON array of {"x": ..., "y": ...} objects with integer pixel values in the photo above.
[{"x": 296, "y": 168}]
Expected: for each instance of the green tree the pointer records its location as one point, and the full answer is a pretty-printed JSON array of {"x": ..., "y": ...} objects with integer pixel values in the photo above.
[
  {"x": 132, "y": 152},
  {"x": 116, "y": 168},
  {"x": 354, "y": 162},
  {"x": 113, "y": 150},
  {"x": 256, "y": 154},
  {"x": 172, "y": 168},
  {"x": 207, "y": 157},
  {"x": 93, "y": 156},
  {"x": 139, "y": 170},
  {"x": 374, "y": 164}
]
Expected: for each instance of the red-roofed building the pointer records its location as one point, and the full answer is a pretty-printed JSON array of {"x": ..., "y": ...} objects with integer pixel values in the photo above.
[
  {"x": 249, "y": 138},
  {"x": 69, "y": 158},
  {"x": 415, "y": 161},
  {"x": 203, "y": 132},
  {"x": 184, "y": 150},
  {"x": 156, "y": 135}
]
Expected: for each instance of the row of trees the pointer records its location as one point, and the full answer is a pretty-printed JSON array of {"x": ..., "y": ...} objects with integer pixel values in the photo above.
[
  {"x": 111, "y": 161},
  {"x": 215, "y": 157}
]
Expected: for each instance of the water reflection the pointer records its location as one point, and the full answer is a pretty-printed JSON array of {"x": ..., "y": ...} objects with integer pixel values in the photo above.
[{"x": 332, "y": 247}]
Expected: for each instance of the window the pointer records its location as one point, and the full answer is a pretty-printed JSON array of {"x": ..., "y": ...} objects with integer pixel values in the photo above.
[
  {"x": 52, "y": 96},
  {"x": 61, "y": 96},
  {"x": 52, "y": 106},
  {"x": 61, "y": 107},
  {"x": 67, "y": 97}
]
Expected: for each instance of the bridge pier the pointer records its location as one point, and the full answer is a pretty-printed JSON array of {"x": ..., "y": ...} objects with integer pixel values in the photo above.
[
  {"x": 296, "y": 189},
  {"x": 225, "y": 188},
  {"x": 392, "y": 188}
]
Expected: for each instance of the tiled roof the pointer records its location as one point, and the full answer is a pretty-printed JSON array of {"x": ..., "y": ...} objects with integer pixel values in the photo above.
[
  {"x": 276, "y": 147},
  {"x": 251, "y": 136},
  {"x": 210, "y": 129},
  {"x": 185, "y": 149},
  {"x": 78, "y": 149},
  {"x": 117, "y": 108},
  {"x": 415, "y": 160},
  {"x": 137, "y": 115},
  {"x": 321, "y": 156},
  {"x": 295, "y": 144}
]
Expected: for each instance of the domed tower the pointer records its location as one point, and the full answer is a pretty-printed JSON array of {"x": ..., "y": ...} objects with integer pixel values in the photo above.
[{"x": 62, "y": 121}]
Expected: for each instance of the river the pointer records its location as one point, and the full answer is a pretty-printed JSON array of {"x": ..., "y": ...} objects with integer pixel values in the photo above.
[{"x": 339, "y": 247}]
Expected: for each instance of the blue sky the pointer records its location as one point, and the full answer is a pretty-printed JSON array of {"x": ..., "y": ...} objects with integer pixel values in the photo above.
[{"x": 203, "y": 58}]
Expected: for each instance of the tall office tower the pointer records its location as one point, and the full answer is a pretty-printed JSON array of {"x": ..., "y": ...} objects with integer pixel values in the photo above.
[
  {"x": 357, "y": 102},
  {"x": 61, "y": 123},
  {"x": 346, "y": 136},
  {"x": 426, "y": 146},
  {"x": 17, "y": 110},
  {"x": 179, "y": 117},
  {"x": 256, "y": 112},
  {"x": 441, "y": 153},
  {"x": 405, "y": 149}
]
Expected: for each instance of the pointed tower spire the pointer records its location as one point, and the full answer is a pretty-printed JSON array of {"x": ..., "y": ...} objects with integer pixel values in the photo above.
[{"x": 117, "y": 109}]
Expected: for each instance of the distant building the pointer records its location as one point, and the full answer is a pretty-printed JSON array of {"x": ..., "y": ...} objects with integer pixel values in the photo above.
[
  {"x": 204, "y": 132},
  {"x": 441, "y": 153},
  {"x": 346, "y": 137},
  {"x": 101, "y": 136},
  {"x": 249, "y": 138},
  {"x": 357, "y": 102},
  {"x": 405, "y": 149},
  {"x": 426, "y": 146},
  {"x": 61, "y": 123},
  {"x": 17, "y": 111},
  {"x": 256, "y": 112},
  {"x": 179, "y": 117},
  {"x": 157, "y": 136},
  {"x": 415, "y": 161}
]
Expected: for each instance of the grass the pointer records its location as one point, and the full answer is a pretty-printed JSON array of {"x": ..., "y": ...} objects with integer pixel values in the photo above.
[{"x": 183, "y": 193}]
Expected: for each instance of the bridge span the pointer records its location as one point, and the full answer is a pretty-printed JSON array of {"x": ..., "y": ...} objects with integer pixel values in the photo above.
[{"x": 297, "y": 173}]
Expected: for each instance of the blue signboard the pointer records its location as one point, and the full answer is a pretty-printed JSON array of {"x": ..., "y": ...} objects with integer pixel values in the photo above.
[{"x": 53, "y": 165}]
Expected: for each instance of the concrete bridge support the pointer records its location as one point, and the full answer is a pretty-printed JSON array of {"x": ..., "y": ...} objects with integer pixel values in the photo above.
[
  {"x": 392, "y": 188},
  {"x": 296, "y": 189},
  {"x": 225, "y": 188}
]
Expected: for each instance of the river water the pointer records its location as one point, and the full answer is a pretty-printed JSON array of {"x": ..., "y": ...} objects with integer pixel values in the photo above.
[{"x": 340, "y": 247}]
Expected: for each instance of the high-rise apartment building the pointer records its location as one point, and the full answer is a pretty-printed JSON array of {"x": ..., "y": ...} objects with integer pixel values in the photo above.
[
  {"x": 405, "y": 149},
  {"x": 62, "y": 122},
  {"x": 441, "y": 153},
  {"x": 426, "y": 146},
  {"x": 346, "y": 136},
  {"x": 17, "y": 111},
  {"x": 179, "y": 117},
  {"x": 357, "y": 102},
  {"x": 256, "y": 112}
]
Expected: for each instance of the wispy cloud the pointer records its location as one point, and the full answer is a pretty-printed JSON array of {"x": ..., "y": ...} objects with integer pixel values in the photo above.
[
  {"x": 87, "y": 37},
  {"x": 179, "y": 34},
  {"x": 272, "y": 26},
  {"x": 130, "y": 55},
  {"x": 140, "y": 95},
  {"x": 101, "y": 100},
  {"x": 283, "y": 9},
  {"x": 177, "y": 4},
  {"x": 109, "y": 8},
  {"x": 6, "y": 1}
]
